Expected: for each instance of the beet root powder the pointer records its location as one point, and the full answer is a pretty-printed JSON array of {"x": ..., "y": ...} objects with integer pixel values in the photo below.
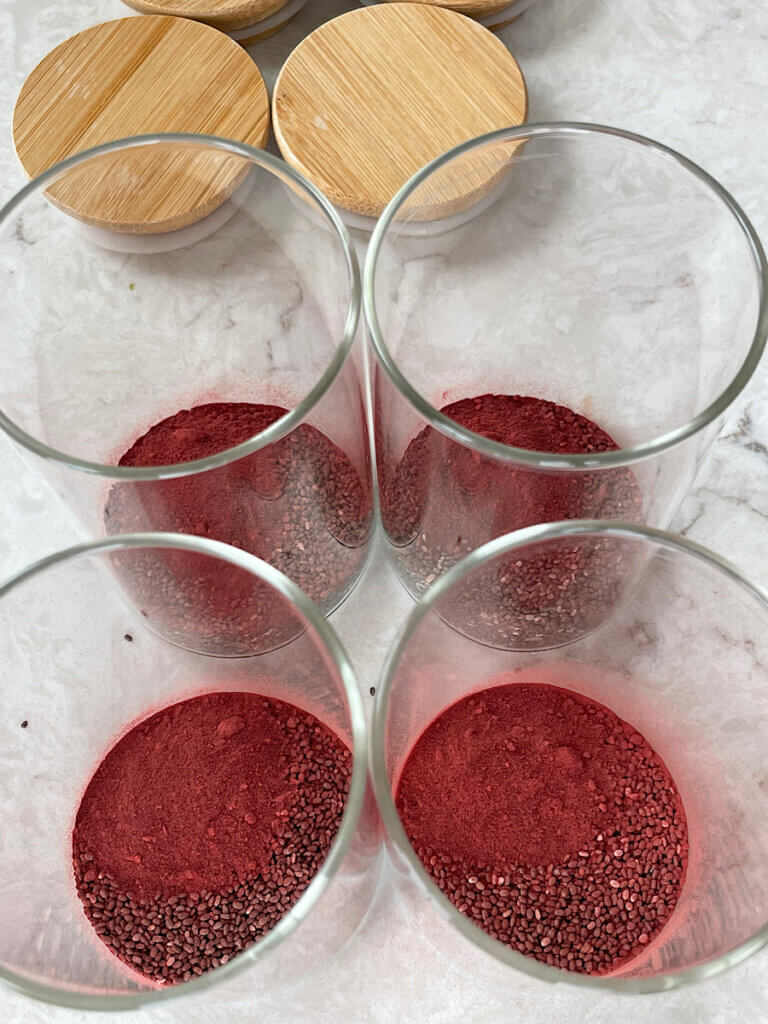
[
  {"x": 299, "y": 503},
  {"x": 549, "y": 822},
  {"x": 203, "y": 826},
  {"x": 443, "y": 500}
]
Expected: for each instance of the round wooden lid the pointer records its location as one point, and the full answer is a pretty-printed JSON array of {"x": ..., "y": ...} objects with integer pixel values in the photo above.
[
  {"x": 227, "y": 15},
  {"x": 369, "y": 98},
  {"x": 472, "y": 8},
  {"x": 137, "y": 76}
]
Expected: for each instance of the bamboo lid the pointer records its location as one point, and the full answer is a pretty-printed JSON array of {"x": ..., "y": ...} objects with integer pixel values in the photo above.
[
  {"x": 370, "y": 97},
  {"x": 138, "y": 76},
  {"x": 472, "y": 8},
  {"x": 227, "y": 15}
]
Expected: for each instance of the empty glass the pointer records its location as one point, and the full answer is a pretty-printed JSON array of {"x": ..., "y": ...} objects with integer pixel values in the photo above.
[
  {"x": 569, "y": 353},
  {"x": 78, "y": 669},
  {"x": 191, "y": 369},
  {"x": 682, "y": 658}
]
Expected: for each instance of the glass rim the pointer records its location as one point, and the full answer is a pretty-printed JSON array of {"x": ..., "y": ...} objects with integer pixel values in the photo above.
[
  {"x": 274, "y": 432},
  {"x": 546, "y": 460},
  {"x": 394, "y": 831},
  {"x": 59, "y": 996}
]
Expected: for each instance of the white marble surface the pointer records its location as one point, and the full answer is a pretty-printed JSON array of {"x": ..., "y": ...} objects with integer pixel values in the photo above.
[{"x": 692, "y": 73}]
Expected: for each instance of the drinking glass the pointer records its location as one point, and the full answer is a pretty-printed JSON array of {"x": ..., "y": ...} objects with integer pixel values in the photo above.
[
  {"x": 682, "y": 658},
  {"x": 605, "y": 274},
  {"x": 79, "y": 667},
  {"x": 111, "y": 332}
]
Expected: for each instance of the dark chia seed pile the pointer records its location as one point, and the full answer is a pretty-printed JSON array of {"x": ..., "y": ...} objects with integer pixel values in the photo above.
[
  {"x": 442, "y": 500},
  {"x": 299, "y": 504},
  {"x": 549, "y": 822},
  {"x": 203, "y": 826}
]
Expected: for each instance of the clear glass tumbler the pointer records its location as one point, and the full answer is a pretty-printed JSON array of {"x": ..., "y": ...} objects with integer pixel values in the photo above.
[
  {"x": 682, "y": 659},
  {"x": 78, "y": 669},
  {"x": 194, "y": 371},
  {"x": 568, "y": 353}
]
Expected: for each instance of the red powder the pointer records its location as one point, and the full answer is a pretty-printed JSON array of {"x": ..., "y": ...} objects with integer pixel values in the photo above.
[
  {"x": 457, "y": 499},
  {"x": 187, "y": 799},
  {"x": 299, "y": 504},
  {"x": 442, "y": 500},
  {"x": 550, "y": 822},
  {"x": 217, "y": 811}
]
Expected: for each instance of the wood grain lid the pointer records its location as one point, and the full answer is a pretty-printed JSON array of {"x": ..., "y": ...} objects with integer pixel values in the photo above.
[
  {"x": 139, "y": 76},
  {"x": 472, "y": 8},
  {"x": 227, "y": 15},
  {"x": 369, "y": 98}
]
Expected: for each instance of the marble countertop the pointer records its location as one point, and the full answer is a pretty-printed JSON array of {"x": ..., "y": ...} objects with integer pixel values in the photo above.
[{"x": 691, "y": 73}]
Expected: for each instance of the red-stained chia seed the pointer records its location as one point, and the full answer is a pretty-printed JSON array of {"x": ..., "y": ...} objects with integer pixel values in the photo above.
[
  {"x": 443, "y": 500},
  {"x": 549, "y": 822},
  {"x": 300, "y": 504},
  {"x": 203, "y": 826}
]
